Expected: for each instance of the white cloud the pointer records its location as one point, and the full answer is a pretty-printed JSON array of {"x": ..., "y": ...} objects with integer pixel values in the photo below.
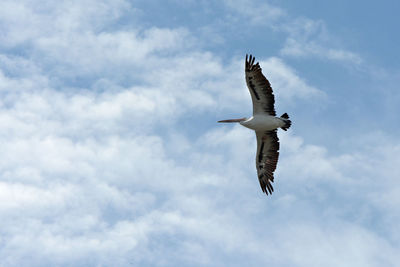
[
  {"x": 93, "y": 52},
  {"x": 332, "y": 245},
  {"x": 25, "y": 22},
  {"x": 289, "y": 85}
]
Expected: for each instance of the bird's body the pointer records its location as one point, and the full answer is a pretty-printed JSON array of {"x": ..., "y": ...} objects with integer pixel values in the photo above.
[{"x": 264, "y": 122}]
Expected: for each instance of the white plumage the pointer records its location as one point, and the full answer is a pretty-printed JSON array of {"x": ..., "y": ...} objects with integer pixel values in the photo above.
[{"x": 263, "y": 122}]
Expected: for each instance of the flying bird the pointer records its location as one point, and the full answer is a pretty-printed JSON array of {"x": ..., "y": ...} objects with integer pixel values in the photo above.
[{"x": 264, "y": 122}]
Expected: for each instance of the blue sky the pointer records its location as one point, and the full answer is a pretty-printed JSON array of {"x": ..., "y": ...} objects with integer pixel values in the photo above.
[{"x": 111, "y": 154}]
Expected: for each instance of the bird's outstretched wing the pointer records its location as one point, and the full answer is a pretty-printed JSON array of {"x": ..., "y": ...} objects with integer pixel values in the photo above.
[
  {"x": 260, "y": 88},
  {"x": 267, "y": 158}
]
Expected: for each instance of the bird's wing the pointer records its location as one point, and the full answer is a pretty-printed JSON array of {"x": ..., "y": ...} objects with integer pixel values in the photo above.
[
  {"x": 260, "y": 88},
  {"x": 267, "y": 158}
]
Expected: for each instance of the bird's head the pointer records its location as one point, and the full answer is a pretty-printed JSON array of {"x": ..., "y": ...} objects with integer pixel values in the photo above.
[{"x": 233, "y": 120}]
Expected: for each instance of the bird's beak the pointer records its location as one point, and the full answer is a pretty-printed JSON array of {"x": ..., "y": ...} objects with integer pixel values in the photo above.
[{"x": 233, "y": 120}]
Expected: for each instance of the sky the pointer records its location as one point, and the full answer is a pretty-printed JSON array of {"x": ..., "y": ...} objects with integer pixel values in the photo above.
[{"x": 111, "y": 154}]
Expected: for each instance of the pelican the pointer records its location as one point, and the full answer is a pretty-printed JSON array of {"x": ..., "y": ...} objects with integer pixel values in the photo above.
[{"x": 264, "y": 122}]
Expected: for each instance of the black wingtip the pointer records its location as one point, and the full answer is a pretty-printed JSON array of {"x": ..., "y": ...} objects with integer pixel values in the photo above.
[
  {"x": 270, "y": 188},
  {"x": 266, "y": 186},
  {"x": 250, "y": 60}
]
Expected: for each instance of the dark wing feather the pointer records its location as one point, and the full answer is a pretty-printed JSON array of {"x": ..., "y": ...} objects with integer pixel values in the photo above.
[
  {"x": 267, "y": 158},
  {"x": 260, "y": 88}
]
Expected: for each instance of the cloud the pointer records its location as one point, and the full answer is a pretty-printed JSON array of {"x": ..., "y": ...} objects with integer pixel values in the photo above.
[
  {"x": 25, "y": 22},
  {"x": 94, "y": 192},
  {"x": 102, "y": 198},
  {"x": 290, "y": 85}
]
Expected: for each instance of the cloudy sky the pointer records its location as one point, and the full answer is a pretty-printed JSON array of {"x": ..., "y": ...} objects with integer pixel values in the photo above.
[{"x": 111, "y": 154}]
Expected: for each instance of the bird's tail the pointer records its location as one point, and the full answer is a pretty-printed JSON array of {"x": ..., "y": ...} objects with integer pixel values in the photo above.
[{"x": 288, "y": 122}]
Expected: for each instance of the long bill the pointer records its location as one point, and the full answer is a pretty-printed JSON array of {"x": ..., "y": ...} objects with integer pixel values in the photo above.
[{"x": 233, "y": 120}]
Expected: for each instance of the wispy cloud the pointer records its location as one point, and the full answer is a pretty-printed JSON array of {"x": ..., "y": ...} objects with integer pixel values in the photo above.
[
  {"x": 257, "y": 12},
  {"x": 307, "y": 37}
]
